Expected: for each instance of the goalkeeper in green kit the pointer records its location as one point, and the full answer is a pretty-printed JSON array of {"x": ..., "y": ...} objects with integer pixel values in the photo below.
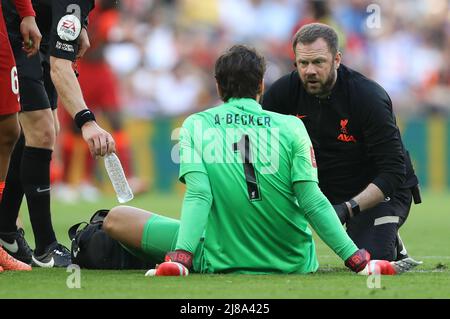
[{"x": 251, "y": 191}]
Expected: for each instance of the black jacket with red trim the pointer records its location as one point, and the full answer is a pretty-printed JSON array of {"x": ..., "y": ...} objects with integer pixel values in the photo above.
[{"x": 353, "y": 131}]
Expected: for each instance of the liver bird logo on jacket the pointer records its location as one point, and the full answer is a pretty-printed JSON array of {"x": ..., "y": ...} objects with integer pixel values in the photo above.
[{"x": 343, "y": 133}]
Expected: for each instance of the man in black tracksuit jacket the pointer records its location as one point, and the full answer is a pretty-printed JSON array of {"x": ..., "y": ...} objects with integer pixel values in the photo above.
[
  {"x": 363, "y": 167},
  {"x": 42, "y": 78}
]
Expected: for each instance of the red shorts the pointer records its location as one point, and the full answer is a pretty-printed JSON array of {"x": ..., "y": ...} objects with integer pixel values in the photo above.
[{"x": 9, "y": 82}]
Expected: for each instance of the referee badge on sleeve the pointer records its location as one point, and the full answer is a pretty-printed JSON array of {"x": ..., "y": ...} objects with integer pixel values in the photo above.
[{"x": 69, "y": 27}]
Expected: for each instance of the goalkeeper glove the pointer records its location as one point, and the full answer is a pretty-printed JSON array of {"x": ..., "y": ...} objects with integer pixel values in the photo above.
[
  {"x": 384, "y": 267},
  {"x": 358, "y": 261},
  {"x": 180, "y": 256},
  {"x": 378, "y": 267},
  {"x": 176, "y": 263}
]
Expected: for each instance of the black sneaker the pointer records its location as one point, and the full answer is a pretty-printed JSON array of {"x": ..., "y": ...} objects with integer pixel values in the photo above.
[
  {"x": 15, "y": 244},
  {"x": 56, "y": 255}
]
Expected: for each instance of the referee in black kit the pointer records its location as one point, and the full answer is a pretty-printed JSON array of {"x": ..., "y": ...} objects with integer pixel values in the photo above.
[
  {"x": 42, "y": 78},
  {"x": 364, "y": 169}
]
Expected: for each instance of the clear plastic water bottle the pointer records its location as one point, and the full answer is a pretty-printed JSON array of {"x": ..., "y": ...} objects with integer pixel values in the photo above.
[{"x": 118, "y": 179}]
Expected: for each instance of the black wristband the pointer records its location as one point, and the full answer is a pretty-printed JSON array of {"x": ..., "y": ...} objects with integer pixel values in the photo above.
[
  {"x": 84, "y": 116},
  {"x": 355, "y": 207}
]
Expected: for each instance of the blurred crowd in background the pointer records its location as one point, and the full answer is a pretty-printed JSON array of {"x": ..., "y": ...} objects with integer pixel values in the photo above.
[
  {"x": 153, "y": 60},
  {"x": 164, "y": 51}
]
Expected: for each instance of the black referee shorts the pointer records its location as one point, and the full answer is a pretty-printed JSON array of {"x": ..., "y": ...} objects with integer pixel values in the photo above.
[
  {"x": 376, "y": 229},
  {"x": 36, "y": 88}
]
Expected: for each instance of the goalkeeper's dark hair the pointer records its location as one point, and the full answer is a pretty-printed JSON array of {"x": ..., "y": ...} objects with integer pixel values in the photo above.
[{"x": 239, "y": 73}]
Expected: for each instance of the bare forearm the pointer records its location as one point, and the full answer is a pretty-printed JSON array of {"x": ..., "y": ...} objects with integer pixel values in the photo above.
[
  {"x": 369, "y": 197},
  {"x": 67, "y": 85},
  {"x": 100, "y": 142}
]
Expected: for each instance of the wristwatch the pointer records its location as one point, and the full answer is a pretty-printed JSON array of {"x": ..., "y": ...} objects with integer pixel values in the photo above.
[{"x": 355, "y": 207}]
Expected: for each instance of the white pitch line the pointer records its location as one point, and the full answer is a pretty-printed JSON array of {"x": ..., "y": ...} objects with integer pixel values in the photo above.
[
  {"x": 426, "y": 271},
  {"x": 433, "y": 257},
  {"x": 415, "y": 257}
]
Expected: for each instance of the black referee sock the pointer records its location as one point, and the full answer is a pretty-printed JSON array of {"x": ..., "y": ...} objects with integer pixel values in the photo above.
[
  {"x": 35, "y": 176},
  {"x": 13, "y": 193}
]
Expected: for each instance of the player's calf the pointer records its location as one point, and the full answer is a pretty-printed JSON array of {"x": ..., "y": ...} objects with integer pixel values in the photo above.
[{"x": 8, "y": 138}]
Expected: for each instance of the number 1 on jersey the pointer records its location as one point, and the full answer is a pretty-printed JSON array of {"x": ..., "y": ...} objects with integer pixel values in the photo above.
[{"x": 243, "y": 146}]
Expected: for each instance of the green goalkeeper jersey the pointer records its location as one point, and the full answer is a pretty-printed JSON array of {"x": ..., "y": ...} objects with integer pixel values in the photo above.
[{"x": 252, "y": 158}]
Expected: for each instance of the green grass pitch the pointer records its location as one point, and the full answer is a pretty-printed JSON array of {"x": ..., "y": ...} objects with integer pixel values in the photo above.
[{"x": 426, "y": 234}]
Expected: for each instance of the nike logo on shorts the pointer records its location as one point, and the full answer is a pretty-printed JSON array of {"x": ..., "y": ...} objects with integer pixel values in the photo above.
[{"x": 39, "y": 190}]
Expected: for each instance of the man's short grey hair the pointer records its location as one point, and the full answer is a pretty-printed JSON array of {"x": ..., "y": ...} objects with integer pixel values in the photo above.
[{"x": 311, "y": 32}]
